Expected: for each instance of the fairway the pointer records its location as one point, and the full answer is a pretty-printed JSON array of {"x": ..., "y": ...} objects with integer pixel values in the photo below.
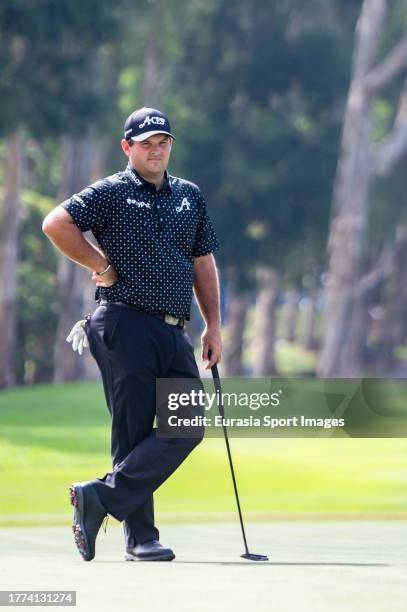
[
  {"x": 53, "y": 435},
  {"x": 328, "y": 567}
]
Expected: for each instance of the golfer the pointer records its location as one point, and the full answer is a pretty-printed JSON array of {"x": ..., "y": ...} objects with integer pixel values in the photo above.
[{"x": 155, "y": 244}]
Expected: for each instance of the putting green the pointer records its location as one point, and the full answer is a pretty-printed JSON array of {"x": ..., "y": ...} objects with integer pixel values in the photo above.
[{"x": 318, "y": 567}]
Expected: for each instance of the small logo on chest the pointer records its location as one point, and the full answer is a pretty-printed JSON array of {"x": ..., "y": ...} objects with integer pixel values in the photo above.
[
  {"x": 139, "y": 204},
  {"x": 185, "y": 205}
]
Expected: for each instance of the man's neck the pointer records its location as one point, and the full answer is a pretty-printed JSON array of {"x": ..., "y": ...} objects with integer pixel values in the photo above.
[{"x": 157, "y": 181}]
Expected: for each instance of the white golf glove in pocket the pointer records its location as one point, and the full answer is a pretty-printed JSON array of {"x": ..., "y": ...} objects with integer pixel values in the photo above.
[{"x": 78, "y": 337}]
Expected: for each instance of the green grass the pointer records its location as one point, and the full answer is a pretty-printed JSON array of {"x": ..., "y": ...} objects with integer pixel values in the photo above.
[
  {"x": 294, "y": 359},
  {"x": 53, "y": 435}
]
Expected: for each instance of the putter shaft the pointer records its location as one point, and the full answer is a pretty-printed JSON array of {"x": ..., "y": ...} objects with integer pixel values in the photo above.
[{"x": 218, "y": 389}]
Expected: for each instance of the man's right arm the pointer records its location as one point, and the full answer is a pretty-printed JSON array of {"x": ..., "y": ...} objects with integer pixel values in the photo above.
[{"x": 60, "y": 228}]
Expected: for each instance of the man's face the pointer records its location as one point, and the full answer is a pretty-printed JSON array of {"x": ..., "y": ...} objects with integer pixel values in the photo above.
[{"x": 149, "y": 157}]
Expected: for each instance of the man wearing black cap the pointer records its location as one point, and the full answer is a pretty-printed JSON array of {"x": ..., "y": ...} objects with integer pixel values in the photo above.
[{"x": 155, "y": 244}]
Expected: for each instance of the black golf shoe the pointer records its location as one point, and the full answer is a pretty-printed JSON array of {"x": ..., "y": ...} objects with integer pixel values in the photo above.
[
  {"x": 149, "y": 551},
  {"x": 88, "y": 517}
]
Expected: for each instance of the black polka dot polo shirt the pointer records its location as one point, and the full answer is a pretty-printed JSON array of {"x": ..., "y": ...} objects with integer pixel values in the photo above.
[{"x": 151, "y": 238}]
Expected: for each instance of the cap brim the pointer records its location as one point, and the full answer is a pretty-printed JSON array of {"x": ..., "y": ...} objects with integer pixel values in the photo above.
[{"x": 146, "y": 135}]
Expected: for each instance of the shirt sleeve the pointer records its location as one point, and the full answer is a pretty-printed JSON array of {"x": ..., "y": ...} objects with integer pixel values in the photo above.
[
  {"x": 91, "y": 208},
  {"x": 205, "y": 238}
]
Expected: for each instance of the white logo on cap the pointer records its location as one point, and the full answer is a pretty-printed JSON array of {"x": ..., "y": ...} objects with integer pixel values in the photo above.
[{"x": 149, "y": 120}]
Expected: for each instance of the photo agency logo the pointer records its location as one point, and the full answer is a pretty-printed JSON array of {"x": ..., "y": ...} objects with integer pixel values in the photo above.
[
  {"x": 208, "y": 400},
  {"x": 270, "y": 407}
]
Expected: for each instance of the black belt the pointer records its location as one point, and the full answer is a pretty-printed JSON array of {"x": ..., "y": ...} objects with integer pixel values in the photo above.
[{"x": 170, "y": 319}]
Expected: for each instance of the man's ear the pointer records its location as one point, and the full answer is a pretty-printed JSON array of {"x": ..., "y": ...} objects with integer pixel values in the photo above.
[{"x": 125, "y": 147}]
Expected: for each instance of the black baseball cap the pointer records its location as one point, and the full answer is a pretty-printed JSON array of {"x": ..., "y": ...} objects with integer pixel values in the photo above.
[{"x": 145, "y": 122}]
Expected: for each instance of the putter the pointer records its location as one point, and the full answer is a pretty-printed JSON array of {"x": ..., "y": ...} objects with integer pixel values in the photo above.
[{"x": 218, "y": 389}]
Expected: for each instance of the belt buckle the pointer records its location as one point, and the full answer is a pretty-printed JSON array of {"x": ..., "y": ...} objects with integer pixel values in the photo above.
[{"x": 171, "y": 320}]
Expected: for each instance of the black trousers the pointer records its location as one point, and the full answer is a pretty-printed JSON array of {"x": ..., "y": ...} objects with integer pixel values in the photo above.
[{"x": 132, "y": 349}]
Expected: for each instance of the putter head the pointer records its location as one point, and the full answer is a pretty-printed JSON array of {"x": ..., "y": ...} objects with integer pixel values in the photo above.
[{"x": 253, "y": 557}]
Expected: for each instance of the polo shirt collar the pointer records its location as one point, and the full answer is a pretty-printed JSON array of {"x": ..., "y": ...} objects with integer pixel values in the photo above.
[{"x": 140, "y": 182}]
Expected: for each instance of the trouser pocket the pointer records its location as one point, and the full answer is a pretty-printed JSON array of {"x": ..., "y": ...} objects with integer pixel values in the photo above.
[{"x": 111, "y": 318}]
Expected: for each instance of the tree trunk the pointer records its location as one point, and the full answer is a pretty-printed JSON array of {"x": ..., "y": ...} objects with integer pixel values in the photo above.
[
  {"x": 391, "y": 326},
  {"x": 398, "y": 303},
  {"x": 9, "y": 249},
  {"x": 351, "y": 191},
  {"x": 291, "y": 314},
  {"x": 311, "y": 315},
  {"x": 77, "y": 154},
  {"x": 359, "y": 326},
  {"x": 236, "y": 322},
  {"x": 265, "y": 325}
]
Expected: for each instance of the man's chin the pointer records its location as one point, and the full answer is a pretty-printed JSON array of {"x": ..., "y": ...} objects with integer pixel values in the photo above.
[{"x": 156, "y": 168}]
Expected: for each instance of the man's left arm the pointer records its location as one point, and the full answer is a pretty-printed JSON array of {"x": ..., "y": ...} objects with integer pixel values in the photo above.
[{"x": 206, "y": 289}]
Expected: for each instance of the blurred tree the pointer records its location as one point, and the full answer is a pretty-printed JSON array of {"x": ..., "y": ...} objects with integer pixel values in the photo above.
[
  {"x": 10, "y": 219},
  {"x": 387, "y": 309},
  {"x": 233, "y": 332},
  {"x": 77, "y": 154},
  {"x": 37, "y": 298},
  {"x": 266, "y": 322},
  {"x": 96, "y": 24},
  {"x": 56, "y": 58},
  {"x": 12, "y": 91},
  {"x": 256, "y": 114},
  {"x": 292, "y": 298},
  {"x": 259, "y": 115},
  {"x": 360, "y": 161}
]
